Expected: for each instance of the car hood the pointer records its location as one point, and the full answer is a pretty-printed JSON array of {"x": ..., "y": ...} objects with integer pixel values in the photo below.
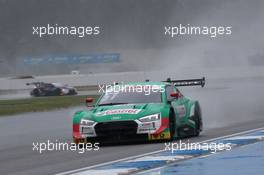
[{"x": 121, "y": 112}]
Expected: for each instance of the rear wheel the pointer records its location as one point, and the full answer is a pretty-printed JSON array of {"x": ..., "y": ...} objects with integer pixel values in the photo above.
[
  {"x": 172, "y": 124},
  {"x": 197, "y": 120},
  {"x": 35, "y": 92}
]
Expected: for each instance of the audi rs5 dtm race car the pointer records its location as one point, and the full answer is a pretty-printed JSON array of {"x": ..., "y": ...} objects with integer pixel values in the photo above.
[
  {"x": 163, "y": 113},
  {"x": 51, "y": 89}
]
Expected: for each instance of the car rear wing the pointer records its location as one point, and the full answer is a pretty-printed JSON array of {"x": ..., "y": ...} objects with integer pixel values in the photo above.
[
  {"x": 36, "y": 84},
  {"x": 188, "y": 82}
]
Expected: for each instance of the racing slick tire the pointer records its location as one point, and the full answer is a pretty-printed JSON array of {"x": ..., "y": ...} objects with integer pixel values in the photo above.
[
  {"x": 198, "y": 120},
  {"x": 58, "y": 92},
  {"x": 72, "y": 92},
  {"x": 172, "y": 124},
  {"x": 35, "y": 93}
]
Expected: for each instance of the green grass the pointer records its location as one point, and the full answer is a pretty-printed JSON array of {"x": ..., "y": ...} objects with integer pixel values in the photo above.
[{"x": 11, "y": 107}]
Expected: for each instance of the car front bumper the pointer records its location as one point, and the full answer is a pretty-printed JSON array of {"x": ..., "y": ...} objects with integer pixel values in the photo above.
[{"x": 119, "y": 131}]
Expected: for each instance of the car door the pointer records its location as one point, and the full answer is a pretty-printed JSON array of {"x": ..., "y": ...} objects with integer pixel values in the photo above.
[{"x": 179, "y": 104}]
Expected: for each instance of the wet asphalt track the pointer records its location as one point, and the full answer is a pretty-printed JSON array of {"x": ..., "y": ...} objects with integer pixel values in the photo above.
[{"x": 229, "y": 106}]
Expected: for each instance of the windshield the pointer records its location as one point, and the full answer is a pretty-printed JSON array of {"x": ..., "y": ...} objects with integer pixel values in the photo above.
[
  {"x": 120, "y": 97},
  {"x": 48, "y": 85}
]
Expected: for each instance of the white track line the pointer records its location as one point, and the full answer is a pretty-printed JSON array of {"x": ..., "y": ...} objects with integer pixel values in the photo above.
[{"x": 154, "y": 152}]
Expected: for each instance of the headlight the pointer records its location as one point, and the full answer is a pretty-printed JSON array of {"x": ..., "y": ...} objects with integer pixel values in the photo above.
[
  {"x": 87, "y": 122},
  {"x": 150, "y": 118}
]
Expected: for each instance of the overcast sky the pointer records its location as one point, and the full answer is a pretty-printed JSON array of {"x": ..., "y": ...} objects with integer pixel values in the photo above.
[{"x": 125, "y": 25}]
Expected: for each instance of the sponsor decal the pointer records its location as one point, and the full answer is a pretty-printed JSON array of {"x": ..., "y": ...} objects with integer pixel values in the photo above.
[
  {"x": 116, "y": 118},
  {"x": 163, "y": 135},
  {"x": 119, "y": 111}
]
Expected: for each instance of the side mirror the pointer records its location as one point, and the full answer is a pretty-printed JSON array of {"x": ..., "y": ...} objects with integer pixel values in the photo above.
[
  {"x": 89, "y": 101},
  {"x": 174, "y": 95}
]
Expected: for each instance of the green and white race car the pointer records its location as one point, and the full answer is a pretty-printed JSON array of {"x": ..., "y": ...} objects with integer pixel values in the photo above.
[{"x": 145, "y": 111}]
